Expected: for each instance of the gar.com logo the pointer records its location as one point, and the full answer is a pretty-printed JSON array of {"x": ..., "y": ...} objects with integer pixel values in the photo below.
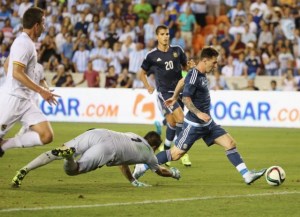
[{"x": 144, "y": 107}]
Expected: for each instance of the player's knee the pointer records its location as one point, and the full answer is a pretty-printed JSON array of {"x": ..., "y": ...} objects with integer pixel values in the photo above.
[
  {"x": 176, "y": 155},
  {"x": 46, "y": 137}
]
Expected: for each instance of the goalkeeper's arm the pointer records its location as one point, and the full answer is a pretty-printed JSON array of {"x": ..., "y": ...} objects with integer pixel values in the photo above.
[{"x": 127, "y": 173}]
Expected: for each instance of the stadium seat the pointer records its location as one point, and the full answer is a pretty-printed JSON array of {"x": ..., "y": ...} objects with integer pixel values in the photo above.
[{"x": 198, "y": 43}]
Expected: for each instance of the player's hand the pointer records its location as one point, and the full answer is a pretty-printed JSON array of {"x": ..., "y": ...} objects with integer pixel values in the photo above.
[
  {"x": 137, "y": 183},
  {"x": 170, "y": 102},
  {"x": 203, "y": 116},
  {"x": 48, "y": 96},
  {"x": 175, "y": 173},
  {"x": 150, "y": 89}
]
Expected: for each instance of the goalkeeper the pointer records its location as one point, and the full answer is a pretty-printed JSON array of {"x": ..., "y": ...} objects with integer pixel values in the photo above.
[{"x": 98, "y": 147}]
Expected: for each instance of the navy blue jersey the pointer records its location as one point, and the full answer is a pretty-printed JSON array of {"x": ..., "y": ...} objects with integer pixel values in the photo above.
[
  {"x": 166, "y": 67},
  {"x": 196, "y": 87}
]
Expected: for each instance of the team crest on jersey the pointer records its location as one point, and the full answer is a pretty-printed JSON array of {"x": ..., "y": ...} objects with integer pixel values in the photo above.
[
  {"x": 175, "y": 54},
  {"x": 3, "y": 127}
]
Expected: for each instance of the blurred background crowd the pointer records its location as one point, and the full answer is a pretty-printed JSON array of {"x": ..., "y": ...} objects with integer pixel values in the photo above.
[{"x": 102, "y": 43}]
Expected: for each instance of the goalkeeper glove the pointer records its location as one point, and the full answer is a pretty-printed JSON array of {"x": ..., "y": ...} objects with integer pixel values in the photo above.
[
  {"x": 175, "y": 173},
  {"x": 137, "y": 183}
]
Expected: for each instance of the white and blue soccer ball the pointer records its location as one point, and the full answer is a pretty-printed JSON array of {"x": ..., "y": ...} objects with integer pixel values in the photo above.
[{"x": 275, "y": 175}]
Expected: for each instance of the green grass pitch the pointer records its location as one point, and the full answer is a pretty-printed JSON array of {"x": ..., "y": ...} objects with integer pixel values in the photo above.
[{"x": 211, "y": 187}]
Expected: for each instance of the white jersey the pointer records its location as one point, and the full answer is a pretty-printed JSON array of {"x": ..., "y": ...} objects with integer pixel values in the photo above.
[
  {"x": 22, "y": 52},
  {"x": 100, "y": 147}
]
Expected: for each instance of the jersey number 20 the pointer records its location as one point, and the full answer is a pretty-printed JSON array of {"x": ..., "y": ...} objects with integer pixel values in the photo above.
[{"x": 169, "y": 65}]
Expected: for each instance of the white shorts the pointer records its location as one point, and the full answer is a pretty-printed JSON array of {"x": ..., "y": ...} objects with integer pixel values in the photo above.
[
  {"x": 13, "y": 109},
  {"x": 91, "y": 155}
]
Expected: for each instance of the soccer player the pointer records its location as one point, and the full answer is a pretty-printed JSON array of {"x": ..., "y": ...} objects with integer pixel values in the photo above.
[
  {"x": 198, "y": 122},
  {"x": 98, "y": 147},
  {"x": 15, "y": 102},
  {"x": 165, "y": 62}
]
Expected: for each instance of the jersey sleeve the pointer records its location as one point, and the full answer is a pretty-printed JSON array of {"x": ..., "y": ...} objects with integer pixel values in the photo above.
[
  {"x": 21, "y": 53},
  {"x": 153, "y": 163},
  {"x": 189, "y": 87},
  {"x": 146, "y": 65},
  {"x": 183, "y": 58}
]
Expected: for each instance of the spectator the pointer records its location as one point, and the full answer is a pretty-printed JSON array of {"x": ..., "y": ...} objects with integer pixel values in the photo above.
[
  {"x": 289, "y": 82},
  {"x": 248, "y": 36},
  {"x": 265, "y": 36},
  {"x": 158, "y": 16},
  {"x": 104, "y": 21},
  {"x": 237, "y": 12},
  {"x": 178, "y": 40},
  {"x": 228, "y": 69},
  {"x": 111, "y": 79},
  {"x": 4, "y": 14},
  {"x": 112, "y": 36},
  {"x": 80, "y": 59},
  {"x": 143, "y": 9},
  {"x": 116, "y": 58},
  {"x": 99, "y": 57},
  {"x": 187, "y": 22},
  {"x": 217, "y": 82},
  {"x": 240, "y": 67},
  {"x": 237, "y": 28},
  {"x": 67, "y": 47},
  {"x": 124, "y": 79},
  {"x": 91, "y": 76},
  {"x": 237, "y": 46},
  {"x": 62, "y": 79},
  {"x": 136, "y": 58},
  {"x": 75, "y": 16},
  {"x": 26, "y": 4},
  {"x": 253, "y": 64},
  {"x": 270, "y": 61},
  {"x": 284, "y": 57},
  {"x": 273, "y": 85},
  {"x": 250, "y": 85},
  {"x": 82, "y": 24},
  {"x": 47, "y": 50},
  {"x": 149, "y": 30},
  {"x": 130, "y": 15}
]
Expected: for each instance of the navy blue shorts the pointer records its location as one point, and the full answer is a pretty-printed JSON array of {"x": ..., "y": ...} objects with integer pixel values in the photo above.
[
  {"x": 191, "y": 133},
  {"x": 162, "y": 97}
]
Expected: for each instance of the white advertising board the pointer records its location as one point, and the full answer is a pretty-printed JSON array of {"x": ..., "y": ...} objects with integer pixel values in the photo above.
[{"x": 228, "y": 108}]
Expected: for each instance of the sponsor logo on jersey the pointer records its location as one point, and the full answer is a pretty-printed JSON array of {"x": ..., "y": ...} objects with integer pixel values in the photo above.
[{"x": 158, "y": 59}]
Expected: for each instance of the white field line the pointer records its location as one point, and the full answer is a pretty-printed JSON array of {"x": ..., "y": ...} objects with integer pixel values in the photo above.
[{"x": 147, "y": 202}]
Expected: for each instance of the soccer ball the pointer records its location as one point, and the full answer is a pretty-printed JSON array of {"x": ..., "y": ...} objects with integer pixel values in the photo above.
[{"x": 275, "y": 175}]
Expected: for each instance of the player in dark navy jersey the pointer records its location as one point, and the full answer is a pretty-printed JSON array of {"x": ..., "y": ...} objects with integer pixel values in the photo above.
[
  {"x": 166, "y": 63},
  {"x": 198, "y": 122}
]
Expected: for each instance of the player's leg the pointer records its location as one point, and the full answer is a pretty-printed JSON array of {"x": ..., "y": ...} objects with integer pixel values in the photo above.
[
  {"x": 183, "y": 143},
  {"x": 235, "y": 158},
  {"x": 43, "y": 159},
  {"x": 179, "y": 116},
  {"x": 40, "y": 132}
]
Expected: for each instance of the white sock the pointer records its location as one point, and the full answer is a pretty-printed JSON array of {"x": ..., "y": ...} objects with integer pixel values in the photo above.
[
  {"x": 43, "y": 159},
  {"x": 28, "y": 139}
]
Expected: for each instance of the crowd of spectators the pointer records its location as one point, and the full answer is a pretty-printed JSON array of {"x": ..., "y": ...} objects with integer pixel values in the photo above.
[{"x": 254, "y": 37}]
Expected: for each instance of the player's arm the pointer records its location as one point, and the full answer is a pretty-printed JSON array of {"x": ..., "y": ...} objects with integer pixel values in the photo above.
[
  {"x": 5, "y": 66},
  {"x": 192, "y": 108},
  {"x": 127, "y": 173},
  {"x": 142, "y": 75},
  {"x": 173, "y": 172},
  {"x": 179, "y": 87},
  {"x": 20, "y": 75}
]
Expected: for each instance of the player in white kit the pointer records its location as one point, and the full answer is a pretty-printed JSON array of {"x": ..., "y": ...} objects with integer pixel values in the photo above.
[
  {"x": 98, "y": 147},
  {"x": 15, "y": 99}
]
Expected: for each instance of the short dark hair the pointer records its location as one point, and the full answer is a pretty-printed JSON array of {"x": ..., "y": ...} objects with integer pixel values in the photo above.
[
  {"x": 153, "y": 138},
  {"x": 159, "y": 27},
  {"x": 32, "y": 16},
  {"x": 208, "y": 52}
]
